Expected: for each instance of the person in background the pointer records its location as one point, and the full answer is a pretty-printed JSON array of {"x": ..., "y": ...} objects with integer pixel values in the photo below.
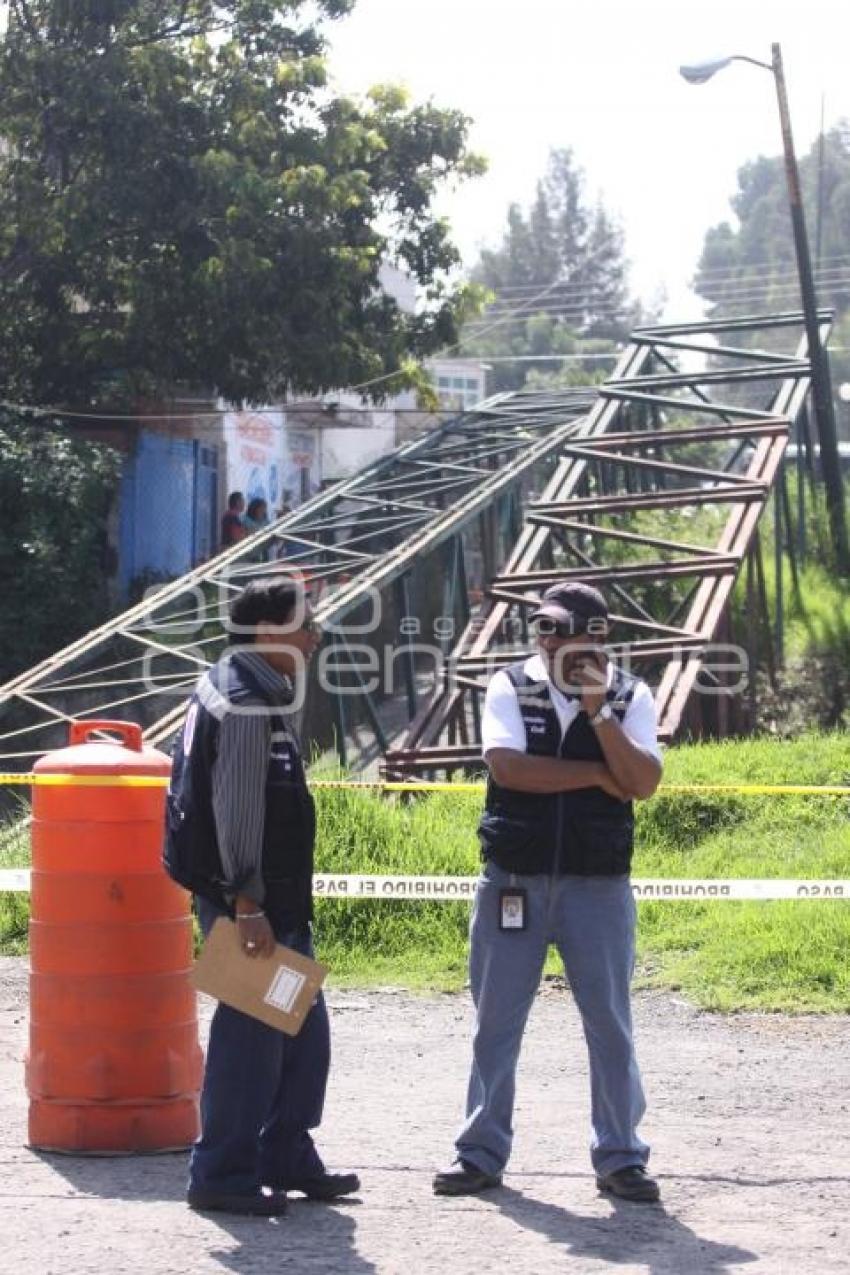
[
  {"x": 232, "y": 528},
  {"x": 569, "y": 740},
  {"x": 256, "y": 518}
]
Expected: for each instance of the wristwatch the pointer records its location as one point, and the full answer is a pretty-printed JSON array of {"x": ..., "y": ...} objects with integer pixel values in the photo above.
[{"x": 603, "y": 714}]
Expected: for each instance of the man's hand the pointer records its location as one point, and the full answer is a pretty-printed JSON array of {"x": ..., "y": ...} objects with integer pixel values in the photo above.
[
  {"x": 590, "y": 676},
  {"x": 256, "y": 936}
]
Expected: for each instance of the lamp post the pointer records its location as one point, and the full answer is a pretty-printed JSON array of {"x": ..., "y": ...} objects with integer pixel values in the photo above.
[{"x": 821, "y": 391}]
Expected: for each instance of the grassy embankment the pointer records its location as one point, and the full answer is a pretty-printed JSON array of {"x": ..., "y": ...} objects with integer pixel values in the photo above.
[{"x": 784, "y": 955}]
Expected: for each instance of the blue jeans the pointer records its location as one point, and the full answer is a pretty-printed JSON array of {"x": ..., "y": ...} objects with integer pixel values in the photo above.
[
  {"x": 262, "y": 1092},
  {"x": 591, "y": 921}
]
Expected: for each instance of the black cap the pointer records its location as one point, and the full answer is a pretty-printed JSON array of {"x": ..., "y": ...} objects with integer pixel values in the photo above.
[{"x": 575, "y": 606}]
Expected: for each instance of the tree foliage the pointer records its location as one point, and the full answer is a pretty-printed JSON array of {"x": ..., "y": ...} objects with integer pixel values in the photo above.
[
  {"x": 185, "y": 200},
  {"x": 55, "y": 494},
  {"x": 750, "y": 267},
  {"x": 558, "y": 280}
]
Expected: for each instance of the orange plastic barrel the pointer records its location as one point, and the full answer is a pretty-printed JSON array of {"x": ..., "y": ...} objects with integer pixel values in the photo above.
[{"x": 114, "y": 1064}]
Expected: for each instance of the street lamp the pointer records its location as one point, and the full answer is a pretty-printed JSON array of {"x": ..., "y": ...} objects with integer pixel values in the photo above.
[{"x": 698, "y": 73}]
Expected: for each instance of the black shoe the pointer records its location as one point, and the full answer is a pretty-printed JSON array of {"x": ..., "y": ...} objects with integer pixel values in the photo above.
[
  {"x": 464, "y": 1179},
  {"x": 249, "y": 1205},
  {"x": 325, "y": 1186},
  {"x": 631, "y": 1183}
]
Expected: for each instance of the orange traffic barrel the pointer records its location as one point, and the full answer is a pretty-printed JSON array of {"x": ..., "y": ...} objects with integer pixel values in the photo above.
[{"x": 114, "y": 1063}]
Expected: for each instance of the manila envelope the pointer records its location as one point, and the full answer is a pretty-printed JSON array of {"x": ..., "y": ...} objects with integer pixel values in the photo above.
[{"x": 278, "y": 989}]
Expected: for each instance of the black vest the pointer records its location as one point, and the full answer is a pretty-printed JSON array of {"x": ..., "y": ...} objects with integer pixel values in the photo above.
[
  {"x": 585, "y": 832},
  {"x": 290, "y": 821}
]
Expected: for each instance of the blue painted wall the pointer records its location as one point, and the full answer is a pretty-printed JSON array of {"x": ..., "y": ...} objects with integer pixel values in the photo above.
[{"x": 168, "y": 507}]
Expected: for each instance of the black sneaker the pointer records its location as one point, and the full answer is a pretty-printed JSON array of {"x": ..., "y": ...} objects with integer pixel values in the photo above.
[{"x": 631, "y": 1183}]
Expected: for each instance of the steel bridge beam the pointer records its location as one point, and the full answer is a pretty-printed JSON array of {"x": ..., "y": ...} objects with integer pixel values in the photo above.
[
  {"x": 351, "y": 543},
  {"x": 642, "y": 456}
]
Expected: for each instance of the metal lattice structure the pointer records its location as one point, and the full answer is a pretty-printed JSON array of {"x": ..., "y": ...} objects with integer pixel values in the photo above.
[
  {"x": 652, "y": 487},
  {"x": 429, "y": 507},
  {"x": 657, "y": 501}
]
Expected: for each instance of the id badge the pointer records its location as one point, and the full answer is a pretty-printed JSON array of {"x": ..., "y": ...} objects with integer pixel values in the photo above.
[{"x": 512, "y": 909}]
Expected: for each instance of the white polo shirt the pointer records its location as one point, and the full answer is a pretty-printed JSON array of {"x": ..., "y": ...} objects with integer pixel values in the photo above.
[{"x": 502, "y": 724}]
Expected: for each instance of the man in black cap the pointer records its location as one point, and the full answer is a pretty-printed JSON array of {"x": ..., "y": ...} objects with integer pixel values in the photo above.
[{"x": 569, "y": 741}]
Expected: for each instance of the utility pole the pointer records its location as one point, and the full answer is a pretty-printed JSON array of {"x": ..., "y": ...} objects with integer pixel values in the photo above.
[{"x": 824, "y": 411}]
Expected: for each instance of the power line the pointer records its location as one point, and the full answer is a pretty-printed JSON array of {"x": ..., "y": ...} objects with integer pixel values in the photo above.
[
  {"x": 563, "y": 286},
  {"x": 747, "y": 276},
  {"x": 107, "y": 418},
  {"x": 521, "y": 313},
  {"x": 586, "y": 306},
  {"x": 753, "y": 269},
  {"x": 303, "y": 403},
  {"x": 756, "y": 269},
  {"x": 589, "y": 308},
  {"x": 536, "y": 358},
  {"x": 587, "y": 301},
  {"x": 826, "y": 275}
]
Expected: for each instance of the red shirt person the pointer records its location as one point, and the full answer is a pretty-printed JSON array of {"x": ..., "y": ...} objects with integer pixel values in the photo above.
[{"x": 232, "y": 526}]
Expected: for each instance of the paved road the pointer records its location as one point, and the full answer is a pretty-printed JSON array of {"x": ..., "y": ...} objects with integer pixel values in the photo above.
[{"x": 748, "y": 1117}]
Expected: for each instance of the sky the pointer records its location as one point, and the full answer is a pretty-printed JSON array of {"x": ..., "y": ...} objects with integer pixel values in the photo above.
[{"x": 601, "y": 76}]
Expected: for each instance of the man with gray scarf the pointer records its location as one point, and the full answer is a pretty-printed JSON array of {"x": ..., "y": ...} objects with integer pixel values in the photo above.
[{"x": 241, "y": 828}]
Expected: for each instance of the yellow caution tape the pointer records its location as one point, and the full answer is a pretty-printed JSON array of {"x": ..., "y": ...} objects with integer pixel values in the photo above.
[
  {"x": 751, "y": 790},
  {"x": 59, "y": 780},
  {"x": 764, "y": 790},
  {"x": 87, "y": 781},
  {"x": 389, "y": 785}
]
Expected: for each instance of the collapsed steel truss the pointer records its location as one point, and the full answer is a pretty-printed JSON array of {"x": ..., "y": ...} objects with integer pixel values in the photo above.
[
  {"x": 658, "y": 501},
  {"x": 453, "y": 490},
  {"x": 653, "y": 487}
]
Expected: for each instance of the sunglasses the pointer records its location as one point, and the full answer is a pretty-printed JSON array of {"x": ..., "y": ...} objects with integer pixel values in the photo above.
[{"x": 554, "y": 628}]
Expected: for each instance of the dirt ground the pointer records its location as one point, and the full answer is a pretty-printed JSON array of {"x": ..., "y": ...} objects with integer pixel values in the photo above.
[{"x": 748, "y": 1118}]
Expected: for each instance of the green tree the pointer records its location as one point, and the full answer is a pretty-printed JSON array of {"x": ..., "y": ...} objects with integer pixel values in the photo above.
[
  {"x": 558, "y": 282},
  {"x": 184, "y": 200},
  {"x": 750, "y": 267},
  {"x": 55, "y": 493}
]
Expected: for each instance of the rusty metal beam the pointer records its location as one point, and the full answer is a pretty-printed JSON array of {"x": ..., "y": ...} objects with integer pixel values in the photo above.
[{"x": 740, "y": 450}]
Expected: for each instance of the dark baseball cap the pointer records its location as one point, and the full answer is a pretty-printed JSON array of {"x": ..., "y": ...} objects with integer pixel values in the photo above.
[{"x": 574, "y": 606}]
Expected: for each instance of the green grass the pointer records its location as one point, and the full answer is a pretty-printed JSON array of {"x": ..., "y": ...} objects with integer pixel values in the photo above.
[
  {"x": 726, "y": 956},
  {"x": 14, "y": 908},
  {"x": 772, "y": 955},
  {"x": 782, "y": 955},
  {"x": 420, "y": 945}
]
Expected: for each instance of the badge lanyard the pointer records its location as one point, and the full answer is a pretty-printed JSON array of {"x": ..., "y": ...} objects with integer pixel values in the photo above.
[{"x": 513, "y": 909}]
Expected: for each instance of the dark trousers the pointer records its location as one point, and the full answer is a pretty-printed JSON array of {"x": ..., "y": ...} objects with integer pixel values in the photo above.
[{"x": 262, "y": 1092}]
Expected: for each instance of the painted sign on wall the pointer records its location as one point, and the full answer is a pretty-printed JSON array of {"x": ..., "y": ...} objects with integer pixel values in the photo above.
[
  {"x": 256, "y": 450},
  {"x": 302, "y": 466}
]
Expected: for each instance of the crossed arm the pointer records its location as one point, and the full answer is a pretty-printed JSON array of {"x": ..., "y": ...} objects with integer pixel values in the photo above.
[{"x": 627, "y": 772}]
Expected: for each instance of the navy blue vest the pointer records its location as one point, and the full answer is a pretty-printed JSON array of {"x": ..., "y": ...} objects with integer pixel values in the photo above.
[
  {"x": 191, "y": 850},
  {"x": 585, "y": 832}
]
